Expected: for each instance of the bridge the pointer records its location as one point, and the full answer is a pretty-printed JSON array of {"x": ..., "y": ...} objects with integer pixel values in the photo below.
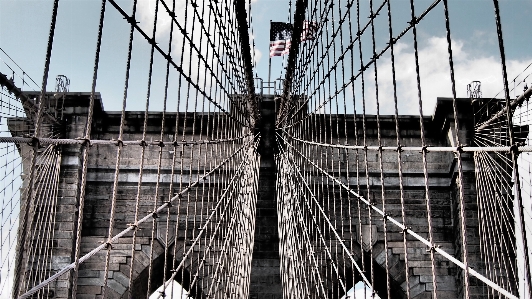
[{"x": 315, "y": 185}]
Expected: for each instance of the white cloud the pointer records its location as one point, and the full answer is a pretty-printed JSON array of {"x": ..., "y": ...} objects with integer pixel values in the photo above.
[
  {"x": 258, "y": 56},
  {"x": 435, "y": 75}
]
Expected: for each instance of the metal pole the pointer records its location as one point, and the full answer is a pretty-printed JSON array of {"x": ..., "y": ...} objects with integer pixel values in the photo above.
[{"x": 270, "y": 59}]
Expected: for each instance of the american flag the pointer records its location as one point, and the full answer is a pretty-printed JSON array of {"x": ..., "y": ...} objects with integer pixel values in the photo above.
[
  {"x": 309, "y": 30},
  {"x": 280, "y": 38}
]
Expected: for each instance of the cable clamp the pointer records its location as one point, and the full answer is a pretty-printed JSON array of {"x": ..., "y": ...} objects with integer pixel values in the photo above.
[
  {"x": 160, "y": 143},
  {"x": 108, "y": 245},
  {"x": 118, "y": 142},
  {"x": 514, "y": 149},
  {"x": 424, "y": 149},
  {"x": 154, "y": 215},
  {"x": 131, "y": 20},
  {"x": 35, "y": 142},
  {"x": 399, "y": 149},
  {"x": 86, "y": 141},
  {"x": 460, "y": 148},
  {"x": 414, "y": 21},
  {"x": 143, "y": 143}
]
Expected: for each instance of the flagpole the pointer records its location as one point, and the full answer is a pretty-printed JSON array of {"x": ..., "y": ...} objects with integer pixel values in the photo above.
[{"x": 270, "y": 59}]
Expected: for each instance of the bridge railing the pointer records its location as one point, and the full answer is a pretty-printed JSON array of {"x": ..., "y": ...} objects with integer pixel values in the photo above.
[{"x": 273, "y": 87}]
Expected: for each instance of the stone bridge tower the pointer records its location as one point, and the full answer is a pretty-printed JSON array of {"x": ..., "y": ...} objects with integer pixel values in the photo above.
[{"x": 265, "y": 278}]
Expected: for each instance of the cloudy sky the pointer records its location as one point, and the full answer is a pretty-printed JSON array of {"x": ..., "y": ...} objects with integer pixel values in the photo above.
[{"x": 24, "y": 26}]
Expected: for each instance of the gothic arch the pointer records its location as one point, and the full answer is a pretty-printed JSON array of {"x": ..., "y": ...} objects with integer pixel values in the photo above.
[{"x": 140, "y": 282}]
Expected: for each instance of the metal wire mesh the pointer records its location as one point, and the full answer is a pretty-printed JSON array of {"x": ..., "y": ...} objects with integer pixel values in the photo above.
[
  {"x": 428, "y": 206},
  {"x": 361, "y": 187}
]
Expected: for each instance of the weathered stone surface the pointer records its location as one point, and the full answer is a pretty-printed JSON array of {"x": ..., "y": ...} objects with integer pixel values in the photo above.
[{"x": 265, "y": 279}]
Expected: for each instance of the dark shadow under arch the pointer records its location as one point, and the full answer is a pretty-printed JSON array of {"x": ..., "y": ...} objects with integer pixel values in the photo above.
[
  {"x": 140, "y": 284},
  {"x": 379, "y": 282}
]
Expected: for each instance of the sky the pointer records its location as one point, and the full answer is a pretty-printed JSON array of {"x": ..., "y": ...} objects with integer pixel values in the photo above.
[
  {"x": 24, "y": 26},
  {"x": 174, "y": 288}
]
